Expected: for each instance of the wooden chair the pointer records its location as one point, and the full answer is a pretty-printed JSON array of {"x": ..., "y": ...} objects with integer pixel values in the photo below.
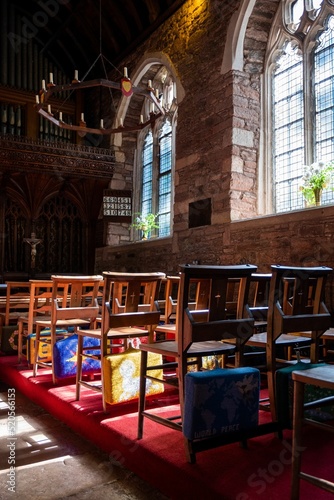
[
  {"x": 296, "y": 317},
  {"x": 129, "y": 313},
  {"x": 200, "y": 333},
  {"x": 39, "y": 308},
  {"x": 16, "y": 302},
  {"x": 323, "y": 377},
  {"x": 74, "y": 305}
]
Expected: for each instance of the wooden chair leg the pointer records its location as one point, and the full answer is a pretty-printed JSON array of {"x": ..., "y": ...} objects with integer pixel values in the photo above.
[
  {"x": 105, "y": 405},
  {"x": 19, "y": 342},
  {"x": 79, "y": 367},
  {"x": 190, "y": 454},
  {"x": 142, "y": 391},
  {"x": 315, "y": 347},
  {"x": 296, "y": 438},
  {"x": 53, "y": 341},
  {"x": 271, "y": 370},
  {"x": 37, "y": 339}
]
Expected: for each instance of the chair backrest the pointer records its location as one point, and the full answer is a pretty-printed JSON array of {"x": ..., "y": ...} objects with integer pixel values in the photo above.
[
  {"x": 136, "y": 295},
  {"x": 261, "y": 284},
  {"x": 198, "y": 296},
  {"x": 40, "y": 300},
  {"x": 126, "y": 292},
  {"x": 217, "y": 324},
  {"x": 17, "y": 300},
  {"x": 259, "y": 296},
  {"x": 171, "y": 291},
  {"x": 296, "y": 300},
  {"x": 75, "y": 297}
]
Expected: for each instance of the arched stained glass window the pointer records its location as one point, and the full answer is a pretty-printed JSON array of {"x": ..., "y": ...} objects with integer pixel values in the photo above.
[
  {"x": 156, "y": 166},
  {"x": 156, "y": 188},
  {"x": 300, "y": 87}
]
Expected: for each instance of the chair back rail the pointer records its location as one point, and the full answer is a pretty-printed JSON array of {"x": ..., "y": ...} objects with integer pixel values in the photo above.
[{"x": 132, "y": 318}]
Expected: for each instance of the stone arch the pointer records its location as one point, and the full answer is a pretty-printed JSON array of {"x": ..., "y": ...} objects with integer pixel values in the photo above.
[
  {"x": 247, "y": 35},
  {"x": 147, "y": 67},
  {"x": 243, "y": 63},
  {"x": 233, "y": 52}
]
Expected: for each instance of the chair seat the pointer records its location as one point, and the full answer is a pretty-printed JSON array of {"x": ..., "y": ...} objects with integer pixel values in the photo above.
[
  {"x": 329, "y": 334},
  {"x": 126, "y": 331},
  {"x": 14, "y": 316},
  {"x": 170, "y": 348},
  {"x": 40, "y": 317},
  {"x": 167, "y": 328},
  {"x": 64, "y": 322},
  {"x": 260, "y": 339},
  {"x": 92, "y": 333}
]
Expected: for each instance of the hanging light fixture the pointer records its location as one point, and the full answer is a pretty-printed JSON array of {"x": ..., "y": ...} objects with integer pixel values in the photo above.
[{"x": 125, "y": 86}]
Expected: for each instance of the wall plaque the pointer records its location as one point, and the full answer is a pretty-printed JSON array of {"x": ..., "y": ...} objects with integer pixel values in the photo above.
[{"x": 117, "y": 205}]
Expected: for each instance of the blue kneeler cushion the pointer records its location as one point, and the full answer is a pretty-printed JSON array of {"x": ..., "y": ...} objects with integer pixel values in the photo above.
[
  {"x": 65, "y": 357},
  {"x": 220, "y": 401}
]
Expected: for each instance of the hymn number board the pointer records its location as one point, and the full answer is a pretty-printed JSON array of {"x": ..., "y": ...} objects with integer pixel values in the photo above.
[{"x": 117, "y": 205}]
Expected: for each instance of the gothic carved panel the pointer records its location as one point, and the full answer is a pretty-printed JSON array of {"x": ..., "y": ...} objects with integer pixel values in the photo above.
[{"x": 61, "y": 159}]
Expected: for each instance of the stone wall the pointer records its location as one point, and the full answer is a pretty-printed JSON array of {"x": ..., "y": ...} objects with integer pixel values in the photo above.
[
  {"x": 298, "y": 238},
  {"x": 217, "y": 156}
]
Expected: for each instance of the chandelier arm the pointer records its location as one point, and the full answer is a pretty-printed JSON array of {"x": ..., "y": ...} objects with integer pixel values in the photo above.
[
  {"x": 99, "y": 82},
  {"x": 100, "y": 131}
]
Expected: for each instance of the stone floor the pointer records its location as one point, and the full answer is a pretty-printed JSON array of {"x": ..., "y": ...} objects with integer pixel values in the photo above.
[{"x": 52, "y": 462}]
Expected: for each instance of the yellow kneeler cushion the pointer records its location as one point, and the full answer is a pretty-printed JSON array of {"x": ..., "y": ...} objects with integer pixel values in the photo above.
[{"x": 121, "y": 376}]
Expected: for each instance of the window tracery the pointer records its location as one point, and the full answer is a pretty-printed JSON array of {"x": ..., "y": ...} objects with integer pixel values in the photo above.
[{"x": 300, "y": 87}]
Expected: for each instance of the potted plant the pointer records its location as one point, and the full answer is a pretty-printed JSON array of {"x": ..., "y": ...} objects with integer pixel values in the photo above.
[
  {"x": 145, "y": 223},
  {"x": 316, "y": 178}
]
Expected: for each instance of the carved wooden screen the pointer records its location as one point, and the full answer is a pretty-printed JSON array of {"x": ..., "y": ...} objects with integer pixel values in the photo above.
[
  {"x": 62, "y": 235},
  {"x": 14, "y": 252}
]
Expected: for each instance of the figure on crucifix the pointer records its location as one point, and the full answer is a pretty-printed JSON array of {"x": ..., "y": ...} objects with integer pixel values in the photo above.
[{"x": 33, "y": 242}]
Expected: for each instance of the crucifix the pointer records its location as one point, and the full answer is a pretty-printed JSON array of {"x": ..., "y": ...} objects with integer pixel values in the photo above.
[{"x": 33, "y": 242}]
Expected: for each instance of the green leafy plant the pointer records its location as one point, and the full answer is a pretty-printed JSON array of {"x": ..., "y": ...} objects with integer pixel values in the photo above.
[
  {"x": 145, "y": 223},
  {"x": 316, "y": 178}
]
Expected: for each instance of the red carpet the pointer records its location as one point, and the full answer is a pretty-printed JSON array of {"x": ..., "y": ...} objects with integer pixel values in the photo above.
[{"x": 260, "y": 472}]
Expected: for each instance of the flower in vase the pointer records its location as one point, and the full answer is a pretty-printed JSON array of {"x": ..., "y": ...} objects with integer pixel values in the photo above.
[
  {"x": 316, "y": 178},
  {"x": 145, "y": 223}
]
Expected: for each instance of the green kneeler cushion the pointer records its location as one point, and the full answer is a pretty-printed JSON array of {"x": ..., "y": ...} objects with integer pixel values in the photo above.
[{"x": 284, "y": 396}]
